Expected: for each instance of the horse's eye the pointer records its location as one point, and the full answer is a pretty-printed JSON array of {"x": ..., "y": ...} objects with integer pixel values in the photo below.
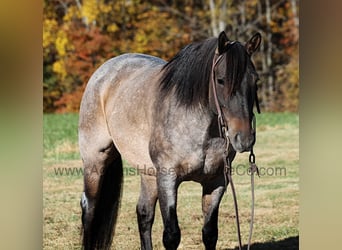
[{"x": 220, "y": 81}]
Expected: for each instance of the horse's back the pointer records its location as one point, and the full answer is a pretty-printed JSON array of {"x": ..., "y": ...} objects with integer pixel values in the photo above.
[{"x": 117, "y": 105}]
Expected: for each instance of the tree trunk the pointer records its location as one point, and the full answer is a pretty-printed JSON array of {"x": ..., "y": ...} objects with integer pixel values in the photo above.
[
  {"x": 243, "y": 13},
  {"x": 223, "y": 13},
  {"x": 270, "y": 78},
  {"x": 213, "y": 23},
  {"x": 294, "y": 11},
  {"x": 218, "y": 16}
]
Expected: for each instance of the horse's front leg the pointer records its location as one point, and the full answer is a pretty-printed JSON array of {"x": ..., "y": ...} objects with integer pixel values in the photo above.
[
  {"x": 167, "y": 194},
  {"x": 146, "y": 209},
  {"x": 211, "y": 198}
]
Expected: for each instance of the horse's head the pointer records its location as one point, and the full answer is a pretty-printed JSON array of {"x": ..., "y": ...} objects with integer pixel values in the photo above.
[{"x": 235, "y": 78}]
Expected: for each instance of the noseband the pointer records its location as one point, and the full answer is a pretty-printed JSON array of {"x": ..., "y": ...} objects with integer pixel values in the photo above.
[{"x": 223, "y": 130}]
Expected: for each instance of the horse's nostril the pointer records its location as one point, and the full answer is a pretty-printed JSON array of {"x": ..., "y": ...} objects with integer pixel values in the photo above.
[
  {"x": 244, "y": 140},
  {"x": 237, "y": 137}
]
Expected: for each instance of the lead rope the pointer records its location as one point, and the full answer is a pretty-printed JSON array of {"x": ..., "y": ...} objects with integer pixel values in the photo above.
[
  {"x": 228, "y": 174},
  {"x": 227, "y": 165},
  {"x": 253, "y": 169},
  {"x": 229, "y": 179}
]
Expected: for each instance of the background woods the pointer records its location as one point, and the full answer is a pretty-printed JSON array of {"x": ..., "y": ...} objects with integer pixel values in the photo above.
[{"x": 79, "y": 35}]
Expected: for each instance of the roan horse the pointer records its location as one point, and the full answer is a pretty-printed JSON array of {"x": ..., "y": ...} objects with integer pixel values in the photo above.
[{"x": 162, "y": 119}]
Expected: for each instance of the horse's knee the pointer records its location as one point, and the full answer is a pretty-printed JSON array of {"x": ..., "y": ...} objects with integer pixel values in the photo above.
[
  {"x": 147, "y": 200},
  {"x": 210, "y": 205},
  {"x": 145, "y": 215}
]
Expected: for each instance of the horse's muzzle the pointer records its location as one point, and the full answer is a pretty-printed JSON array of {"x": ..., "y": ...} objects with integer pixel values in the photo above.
[{"x": 243, "y": 142}]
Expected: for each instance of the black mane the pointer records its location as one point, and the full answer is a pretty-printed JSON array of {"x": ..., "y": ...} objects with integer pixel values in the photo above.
[{"x": 188, "y": 73}]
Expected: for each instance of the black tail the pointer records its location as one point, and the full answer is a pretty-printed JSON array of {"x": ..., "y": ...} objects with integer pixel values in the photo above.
[{"x": 99, "y": 234}]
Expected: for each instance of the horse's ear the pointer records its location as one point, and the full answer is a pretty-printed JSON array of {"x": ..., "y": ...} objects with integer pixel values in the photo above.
[
  {"x": 253, "y": 44},
  {"x": 222, "y": 40}
]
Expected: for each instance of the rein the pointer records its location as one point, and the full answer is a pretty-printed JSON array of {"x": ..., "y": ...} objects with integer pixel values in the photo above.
[{"x": 223, "y": 129}]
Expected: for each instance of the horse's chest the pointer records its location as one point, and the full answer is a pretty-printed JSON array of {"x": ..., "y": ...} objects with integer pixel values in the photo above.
[
  {"x": 204, "y": 162},
  {"x": 195, "y": 162},
  {"x": 181, "y": 144}
]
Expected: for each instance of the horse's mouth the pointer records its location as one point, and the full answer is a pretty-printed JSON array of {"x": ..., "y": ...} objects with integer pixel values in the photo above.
[{"x": 242, "y": 147}]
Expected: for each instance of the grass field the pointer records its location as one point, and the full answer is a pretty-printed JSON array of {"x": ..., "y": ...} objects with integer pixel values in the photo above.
[{"x": 277, "y": 192}]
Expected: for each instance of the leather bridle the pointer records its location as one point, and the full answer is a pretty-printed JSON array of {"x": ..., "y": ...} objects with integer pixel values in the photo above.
[{"x": 223, "y": 130}]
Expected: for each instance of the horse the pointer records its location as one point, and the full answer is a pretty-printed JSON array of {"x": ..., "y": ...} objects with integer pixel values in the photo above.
[{"x": 161, "y": 118}]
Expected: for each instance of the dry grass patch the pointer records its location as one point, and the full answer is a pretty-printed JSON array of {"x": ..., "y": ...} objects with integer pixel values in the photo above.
[{"x": 276, "y": 212}]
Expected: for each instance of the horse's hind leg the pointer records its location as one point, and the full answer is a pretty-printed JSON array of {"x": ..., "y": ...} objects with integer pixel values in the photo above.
[
  {"x": 211, "y": 198},
  {"x": 103, "y": 175},
  {"x": 146, "y": 209}
]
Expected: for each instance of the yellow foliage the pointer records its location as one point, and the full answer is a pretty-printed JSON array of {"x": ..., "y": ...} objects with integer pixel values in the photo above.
[
  {"x": 131, "y": 8},
  {"x": 61, "y": 43},
  {"x": 59, "y": 68},
  {"x": 75, "y": 38},
  {"x": 90, "y": 10},
  {"x": 104, "y": 8},
  {"x": 49, "y": 32},
  {"x": 73, "y": 12},
  {"x": 112, "y": 28}
]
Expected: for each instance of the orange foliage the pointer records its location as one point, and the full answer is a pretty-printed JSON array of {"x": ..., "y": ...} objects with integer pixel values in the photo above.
[
  {"x": 80, "y": 35},
  {"x": 70, "y": 102},
  {"x": 91, "y": 48}
]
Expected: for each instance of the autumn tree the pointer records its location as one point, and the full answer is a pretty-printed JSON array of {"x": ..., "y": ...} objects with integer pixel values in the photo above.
[{"x": 79, "y": 35}]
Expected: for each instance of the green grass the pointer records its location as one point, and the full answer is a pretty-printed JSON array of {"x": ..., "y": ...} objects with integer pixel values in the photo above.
[
  {"x": 60, "y": 137},
  {"x": 277, "y": 119},
  {"x": 60, "y": 132},
  {"x": 277, "y": 208}
]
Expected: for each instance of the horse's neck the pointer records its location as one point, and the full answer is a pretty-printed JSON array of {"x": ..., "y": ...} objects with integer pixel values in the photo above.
[{"x": 197, "y": 118}]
